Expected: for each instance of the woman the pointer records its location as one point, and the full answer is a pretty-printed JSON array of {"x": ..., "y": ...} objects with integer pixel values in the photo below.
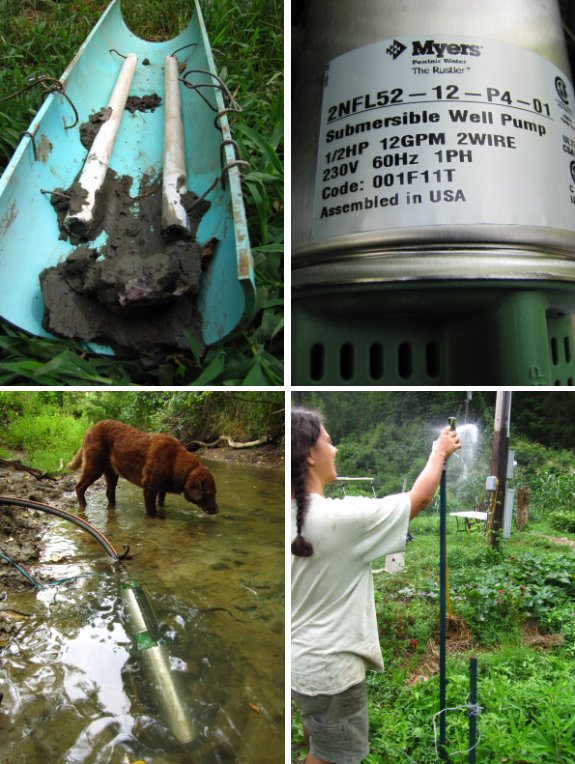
[{"x": 334, "y": 626}]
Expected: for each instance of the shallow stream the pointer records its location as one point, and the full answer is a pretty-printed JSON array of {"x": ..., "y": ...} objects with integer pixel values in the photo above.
[{"x": 75, "y": 683}]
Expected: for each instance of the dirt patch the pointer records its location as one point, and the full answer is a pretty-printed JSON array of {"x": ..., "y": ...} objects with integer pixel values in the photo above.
[
  {"x": 271, "y": 455},
  {"x": 21, "y": 531},
  {"x": 532, "y": 636},
  {"x": 460, "y": 640},
  {"x": 561, "y": 540}
]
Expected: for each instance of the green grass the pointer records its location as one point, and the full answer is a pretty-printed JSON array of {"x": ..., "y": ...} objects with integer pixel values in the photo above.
[
  {"x": 527, "y": 693},
  {"x": 47, "y": 439},
  {"x": 247, "y": 42}
]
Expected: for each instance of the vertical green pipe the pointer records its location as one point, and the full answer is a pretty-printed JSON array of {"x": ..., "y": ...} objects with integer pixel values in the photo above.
[
  {"x": 443, "y": 604},
  {"x": 472, "y": 713},
  {"x": 442, "y": 610}
]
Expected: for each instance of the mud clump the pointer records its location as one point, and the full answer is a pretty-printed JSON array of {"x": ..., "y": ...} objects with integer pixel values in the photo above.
[
  {"x": 89, "y": 130},
  {"x": 148, "y": 336},
  {"x": 143, "y": 103},
  {"x": 137, "y": 292},
  {"x": 126, "y": 283}
]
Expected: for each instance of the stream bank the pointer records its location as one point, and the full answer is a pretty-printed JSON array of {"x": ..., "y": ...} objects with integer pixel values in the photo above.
[
  {"x": 21, "y": 530},
  {"x": 215, "y": 592}
]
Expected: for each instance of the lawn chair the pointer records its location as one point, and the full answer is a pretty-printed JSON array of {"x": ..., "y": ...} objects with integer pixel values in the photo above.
[
  {"x": 344, "y": 480},
  {"x": 480, "y": 518}
]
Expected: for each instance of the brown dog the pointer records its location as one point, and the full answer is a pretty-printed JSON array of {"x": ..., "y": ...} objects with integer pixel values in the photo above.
[{"x": 159, "y": 464}]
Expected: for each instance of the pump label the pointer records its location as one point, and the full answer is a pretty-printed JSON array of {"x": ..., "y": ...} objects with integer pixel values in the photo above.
[{"x": 427, "y": 132}]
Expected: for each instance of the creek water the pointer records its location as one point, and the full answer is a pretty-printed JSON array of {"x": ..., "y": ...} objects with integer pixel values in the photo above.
[{"x": 74, "y": 680}]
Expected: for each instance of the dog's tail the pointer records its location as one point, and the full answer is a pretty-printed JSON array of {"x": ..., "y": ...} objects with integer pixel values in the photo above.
[{"x": 77, "y": 460}]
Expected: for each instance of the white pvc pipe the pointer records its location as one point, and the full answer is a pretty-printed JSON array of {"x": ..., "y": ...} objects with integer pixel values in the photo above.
[
  {"x": 167, "y": 694},
  {"x": 96, "y": 164},
  {"x": 174, "y": 216}
]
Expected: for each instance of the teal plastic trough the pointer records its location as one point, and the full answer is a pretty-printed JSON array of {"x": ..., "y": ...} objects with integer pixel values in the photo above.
[{"x": 30, "y": 239}]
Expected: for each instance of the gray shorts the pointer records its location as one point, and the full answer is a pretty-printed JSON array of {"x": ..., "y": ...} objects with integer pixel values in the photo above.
[{"x": 337, "y": 724}]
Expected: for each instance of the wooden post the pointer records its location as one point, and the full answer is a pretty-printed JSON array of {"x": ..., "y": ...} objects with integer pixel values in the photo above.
[
  {"x": 523, "y": 498},
  {"x": 499, "y": 458}
]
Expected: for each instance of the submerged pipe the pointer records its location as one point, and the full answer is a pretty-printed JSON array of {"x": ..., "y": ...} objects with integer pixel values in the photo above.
[
  {"x": 92, "y": 177},
  {"x": 156, "y": 662},
  {"x": 81, "y": 523},
  {"x": 174, "y": 217}
]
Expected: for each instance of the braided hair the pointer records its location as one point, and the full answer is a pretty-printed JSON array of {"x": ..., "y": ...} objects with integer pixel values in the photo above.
[{"x": 305, "y": 431}]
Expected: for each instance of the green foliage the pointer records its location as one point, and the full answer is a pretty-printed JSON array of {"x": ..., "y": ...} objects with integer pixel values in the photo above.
[
  {"x": 563, "y": 521},
  {"x": 494, "y": 592},
  {"x": 537, "y": 416},
  {"x": 516, "y": 689},
  {"x": 36, "y": 361},
  {"x": 205, "y": 416},
  {"x": 48, "y": 426},
  {"x": 560, "y": 619},
  {"x": 533, "y": 457},
  {"x": 49, "y": 440},
  {"x": 388, "y": 436},
  {"x": 495, "y": 599},
  {"x": 553, "y": 496}
]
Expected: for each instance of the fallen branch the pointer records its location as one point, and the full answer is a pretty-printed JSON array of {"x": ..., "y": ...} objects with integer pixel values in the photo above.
[
  {"x": 231, "y": 443},
  {"x": 38, "y": 474}
]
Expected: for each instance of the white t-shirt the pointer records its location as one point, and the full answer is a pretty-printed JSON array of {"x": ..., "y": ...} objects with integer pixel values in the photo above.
[{"x": 334, "y": 627}]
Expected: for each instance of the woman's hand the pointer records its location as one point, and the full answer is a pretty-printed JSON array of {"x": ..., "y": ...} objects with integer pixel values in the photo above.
[
  {"x": 426, "y": 484},
  {"x": 447, "y": 443}
]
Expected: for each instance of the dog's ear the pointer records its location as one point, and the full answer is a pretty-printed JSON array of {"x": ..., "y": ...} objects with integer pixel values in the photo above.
[
  {"x": 200, "y": 489},
  {"x": 194, "y": 490}
]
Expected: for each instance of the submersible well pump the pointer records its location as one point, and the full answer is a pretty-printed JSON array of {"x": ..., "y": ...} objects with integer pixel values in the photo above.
[
  {"x": 154, "y": 656},
  {"x": 433, "y": 194}
]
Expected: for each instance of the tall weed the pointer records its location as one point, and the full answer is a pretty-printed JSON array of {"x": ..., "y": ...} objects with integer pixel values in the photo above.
[{"x": 48, "y": 441}]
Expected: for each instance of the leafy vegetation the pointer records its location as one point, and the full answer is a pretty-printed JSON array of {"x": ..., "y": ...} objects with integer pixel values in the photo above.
[
  {"x": 48, "y": 426},
  {"x": 247, "y": 41},
  {"x": 513, "y": 607},
  {"x": 555, "y": 495}
]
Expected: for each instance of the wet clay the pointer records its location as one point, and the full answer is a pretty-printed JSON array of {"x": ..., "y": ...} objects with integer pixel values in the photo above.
[
  {"x": 143, "y": 103},
  {"x": 89, "y": 130},
  {"x": 147, "y": 337},
  {"x": 137, "y": 292}
]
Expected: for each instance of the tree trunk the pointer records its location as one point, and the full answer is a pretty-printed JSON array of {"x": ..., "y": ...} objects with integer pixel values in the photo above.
[
  {"x": 523, "y": 498},
  {"x": 499, "y": 459},
  {"x": 231, "y": 443}
]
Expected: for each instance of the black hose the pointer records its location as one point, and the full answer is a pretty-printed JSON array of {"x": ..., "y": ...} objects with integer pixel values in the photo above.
[{"x": 84, "y": 524}]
